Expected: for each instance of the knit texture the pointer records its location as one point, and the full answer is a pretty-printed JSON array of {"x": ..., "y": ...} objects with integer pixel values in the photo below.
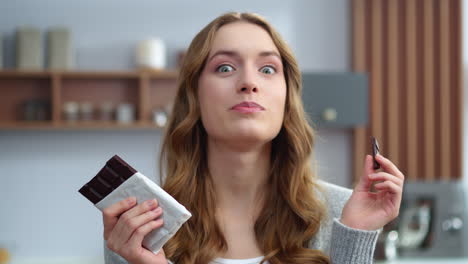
[{"x": 350, "y": 246}]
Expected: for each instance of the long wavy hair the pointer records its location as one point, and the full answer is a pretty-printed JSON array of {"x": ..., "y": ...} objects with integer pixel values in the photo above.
[{"x": 291, "y": 213}]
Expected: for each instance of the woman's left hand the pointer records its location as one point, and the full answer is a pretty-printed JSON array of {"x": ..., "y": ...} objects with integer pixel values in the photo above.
[{"x": 368, "y": 210}]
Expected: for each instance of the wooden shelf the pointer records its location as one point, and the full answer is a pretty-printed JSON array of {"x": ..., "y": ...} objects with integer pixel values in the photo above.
[
  {"x": 159, "y": 74},
  {"x": 146, "y": 90},
  {"x": 24, "y": 74},
  {"x": 78, "y": 125},
  {"x": 25, "y": 125}
]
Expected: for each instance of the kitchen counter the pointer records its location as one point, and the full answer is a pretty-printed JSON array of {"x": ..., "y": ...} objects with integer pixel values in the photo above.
[
  {"x": 57, "y": 260},
  {"x": 100, "y": 260},
  {"x": 427, "y": 261}
]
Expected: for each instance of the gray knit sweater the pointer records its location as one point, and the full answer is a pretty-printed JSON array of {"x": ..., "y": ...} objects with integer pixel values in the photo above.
[{"x": 344, "y": 245}]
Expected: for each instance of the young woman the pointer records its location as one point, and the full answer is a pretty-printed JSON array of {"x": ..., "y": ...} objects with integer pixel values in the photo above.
[{"x": 237, "y": 155}]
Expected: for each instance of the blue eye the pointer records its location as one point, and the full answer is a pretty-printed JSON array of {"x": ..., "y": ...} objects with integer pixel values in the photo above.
[
  {"x": 268, "y": 70},
  {"x": 225, "y": 68}
]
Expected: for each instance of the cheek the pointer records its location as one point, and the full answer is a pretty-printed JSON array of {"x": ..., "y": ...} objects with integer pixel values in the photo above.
[
  {"x": 211, "y": 90},
  {"x": 206, "y": 91},
  {"x": 210, "y": 97},
  {"x": 279, "y": 99}
]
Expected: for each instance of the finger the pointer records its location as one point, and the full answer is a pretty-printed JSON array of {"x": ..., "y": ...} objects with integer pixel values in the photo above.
[
  {"x": 383, "y": 176},
  {"x": 110, "y": 214},
  {"x": 137, "y": 237},
  {"x": 138, "y": 221},
  {"x": 388, "y": 186},
  {"x": 126, "y": 218},
  {"x": 114, "y": 242},
  {"x": 388, "y": 166},
  {"x": 118, "y": 208},
  {"x": 369, "y": 165},
  {"x": 364, "y": 182},
  {"x": 141, "y": 208}
]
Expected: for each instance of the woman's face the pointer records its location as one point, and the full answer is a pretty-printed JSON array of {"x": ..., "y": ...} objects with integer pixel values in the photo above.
[{"x": 242, "y": 89}]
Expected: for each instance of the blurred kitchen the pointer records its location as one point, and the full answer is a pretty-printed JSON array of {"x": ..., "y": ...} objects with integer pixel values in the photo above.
[{"x": 83, "y": 80}]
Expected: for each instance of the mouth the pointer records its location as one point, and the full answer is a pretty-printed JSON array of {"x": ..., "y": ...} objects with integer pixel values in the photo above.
[{"x": 247, "y": 107}]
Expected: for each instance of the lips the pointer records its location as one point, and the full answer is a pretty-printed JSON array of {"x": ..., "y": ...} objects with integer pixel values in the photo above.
[{"x": 248, "y": 107}]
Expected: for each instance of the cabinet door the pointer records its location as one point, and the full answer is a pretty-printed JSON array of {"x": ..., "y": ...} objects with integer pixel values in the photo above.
[{"x": 336, "y": 99}]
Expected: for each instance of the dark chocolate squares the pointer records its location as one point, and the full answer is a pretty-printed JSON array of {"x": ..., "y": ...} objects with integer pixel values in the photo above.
[
  {"x": 112, "y": 175},
  {"x": 375, "y": 151}
]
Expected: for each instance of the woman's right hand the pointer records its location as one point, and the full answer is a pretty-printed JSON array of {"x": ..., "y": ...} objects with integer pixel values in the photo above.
[{"x": 125, "y": 226}]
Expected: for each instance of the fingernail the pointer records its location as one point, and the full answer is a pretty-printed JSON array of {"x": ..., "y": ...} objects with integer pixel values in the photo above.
[
  {"x": 157, "y": 210},
  {"x": 150, "y": 202},
  {"x": 130, "y": 200}
]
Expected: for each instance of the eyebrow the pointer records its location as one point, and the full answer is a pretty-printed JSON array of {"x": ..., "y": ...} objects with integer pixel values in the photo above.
[{"x": 232, "y": 53}]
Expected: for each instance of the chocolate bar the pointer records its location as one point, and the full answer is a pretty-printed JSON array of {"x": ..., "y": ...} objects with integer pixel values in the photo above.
[
  {"x": 117, "y": 181},
  {"x": 111, "y": 176},
  {"x": 375, "y": 151}
]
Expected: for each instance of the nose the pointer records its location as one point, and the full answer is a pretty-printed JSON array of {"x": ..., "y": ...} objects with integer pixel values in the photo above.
[
  {"x": 248, "y": 88},
  {"x": 248, "y": 84}
]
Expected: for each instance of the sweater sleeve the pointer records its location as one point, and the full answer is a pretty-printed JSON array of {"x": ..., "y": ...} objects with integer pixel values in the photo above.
[
  {"x": 110, "y": 257},
  {"x": 350, "y": 245},
  {"x": 343, "y": 244}
]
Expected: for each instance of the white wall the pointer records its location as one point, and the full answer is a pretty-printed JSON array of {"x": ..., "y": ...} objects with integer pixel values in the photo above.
[{"x": 42, "y": 213}]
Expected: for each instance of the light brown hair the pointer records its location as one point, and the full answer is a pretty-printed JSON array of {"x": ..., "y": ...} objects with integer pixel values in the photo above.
[{"x": 291, "y": 214}]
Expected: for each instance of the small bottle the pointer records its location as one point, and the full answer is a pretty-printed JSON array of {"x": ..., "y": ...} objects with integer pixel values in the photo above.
[
  {"x": 106, "y": 111},
  {"x": 86, "y": 111},
  {"x": 29, "y": 110},
  {"x": 71, "y": 111},
  {"x": 160, "y": 117},
  {"x": 125, "y": 113},
  {"x": 43, "y": 110}
]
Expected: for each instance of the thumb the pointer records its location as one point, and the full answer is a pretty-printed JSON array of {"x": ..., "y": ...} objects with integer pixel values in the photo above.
[{"x": 364, "y": 183}]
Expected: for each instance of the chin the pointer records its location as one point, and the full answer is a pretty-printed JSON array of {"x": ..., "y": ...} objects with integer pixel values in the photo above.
[
  {"x": 253, "y": 136},
  {"x": 245, "y": 133}
]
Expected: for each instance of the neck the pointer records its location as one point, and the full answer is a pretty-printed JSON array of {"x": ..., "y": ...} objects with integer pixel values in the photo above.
[{"x": 239, "y": 176}]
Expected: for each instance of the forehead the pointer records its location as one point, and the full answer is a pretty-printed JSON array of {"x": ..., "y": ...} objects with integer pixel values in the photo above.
[{"x": 242, "y": 36}]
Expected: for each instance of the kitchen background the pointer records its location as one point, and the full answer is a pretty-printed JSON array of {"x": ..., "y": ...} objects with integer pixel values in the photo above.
[{"x": 43, "y": 216}]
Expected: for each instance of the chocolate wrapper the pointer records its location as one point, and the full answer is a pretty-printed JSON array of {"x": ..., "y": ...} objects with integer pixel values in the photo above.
[{"x": 118, "y": 181}]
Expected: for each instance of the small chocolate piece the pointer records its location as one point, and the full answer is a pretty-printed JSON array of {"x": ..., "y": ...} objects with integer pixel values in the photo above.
[
  {"x": 375, "y": 151},
  {"x": 111, "y": 176}
]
